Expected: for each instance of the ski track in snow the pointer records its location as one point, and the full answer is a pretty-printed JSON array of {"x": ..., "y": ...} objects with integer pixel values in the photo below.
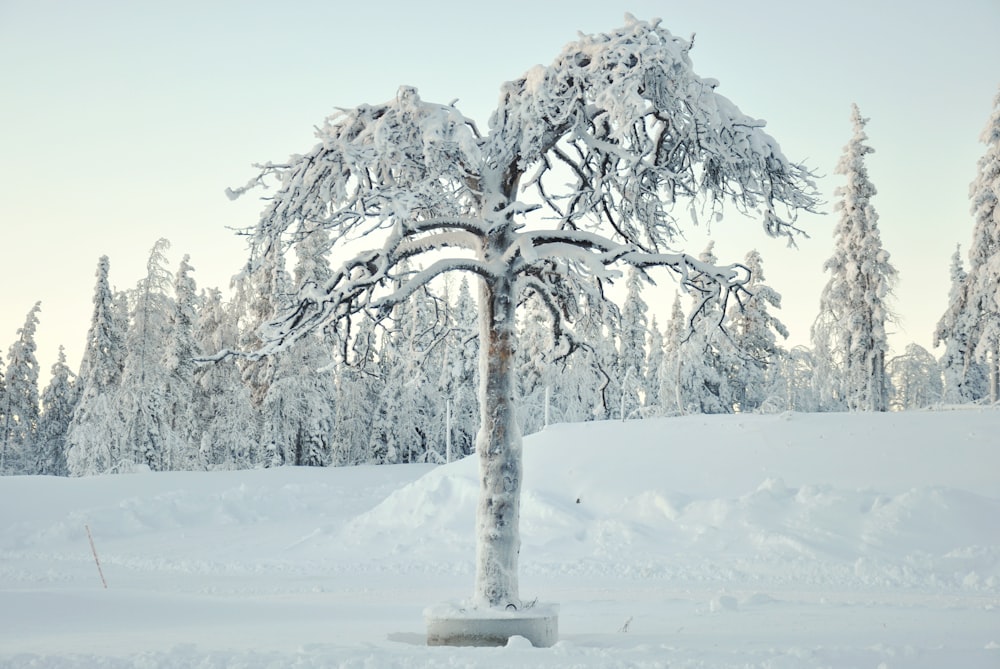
[{"x": 795, "y": 540}]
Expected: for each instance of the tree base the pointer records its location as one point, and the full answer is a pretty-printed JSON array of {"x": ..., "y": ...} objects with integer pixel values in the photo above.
[{"x": 465, "y": 625}]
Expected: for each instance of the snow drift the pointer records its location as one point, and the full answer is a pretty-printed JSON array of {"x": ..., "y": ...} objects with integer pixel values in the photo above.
[{"x": 792, "y": 541}]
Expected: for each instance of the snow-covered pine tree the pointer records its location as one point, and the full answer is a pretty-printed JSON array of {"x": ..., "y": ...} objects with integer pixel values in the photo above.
[
  {"x": 671, "y": 389},
  {"x": 853, "y": 307},
  {"x": 800, "y": 381},
  {"x": 411, "y": 419},
  {"x": 463, "y": 346},
  {"x": 228, "y": 425},
  {"x": 358, "y": 398},
  {"x": 537, "y": 373},
  {"x": 20, "y": 411},
  {"x": 143, "y": 405},
  {"x": 632, "y": 347},
  {"x": 707, "y": 355},
  {"x": 826, "y": 367},
  {"x": 93, "y": 438},
  {"x": 261, "y": 291},
  {"x": 584, "y": 386},
  {"x": 622, "y": 113},
  {"x": 983, "y": 279},
  {"x": 965, "y": 378},
  {"x": 754, "y": 331},
  {"x": 297, "y": 410},
  {"x": 58, "y": 402},
  {"x": 3, "y": 394},
  {"x": 652, "y": 370},
  {"x": 915, "y": 379},
  {"x": 182, "y": 430}
]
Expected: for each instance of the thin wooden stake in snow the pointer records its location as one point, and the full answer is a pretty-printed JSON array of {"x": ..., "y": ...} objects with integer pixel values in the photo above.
[{"x": 96, "y": 559}]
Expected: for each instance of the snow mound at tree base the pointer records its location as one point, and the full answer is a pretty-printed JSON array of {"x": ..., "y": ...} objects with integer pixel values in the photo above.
[{"x": 844, "y": 500}]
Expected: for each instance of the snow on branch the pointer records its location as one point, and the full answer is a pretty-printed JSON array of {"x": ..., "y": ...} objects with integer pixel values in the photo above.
[
  {"x": 627, "y": 116},
  {"x": 609, "y": 139}
]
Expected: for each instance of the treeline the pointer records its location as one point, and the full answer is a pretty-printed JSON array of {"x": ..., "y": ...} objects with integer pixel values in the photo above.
[
  {"x": 401, "y": 391},
  {"x": 403, "y": 387}
]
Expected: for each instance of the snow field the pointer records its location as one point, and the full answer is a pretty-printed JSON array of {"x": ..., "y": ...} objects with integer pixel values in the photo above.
[{"x": 821, "y": 540}]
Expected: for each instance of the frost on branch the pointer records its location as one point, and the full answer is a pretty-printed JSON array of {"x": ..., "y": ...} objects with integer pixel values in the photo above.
[
  {"x": 580, "y": 173},
  {"x": 621, "y": 117}
]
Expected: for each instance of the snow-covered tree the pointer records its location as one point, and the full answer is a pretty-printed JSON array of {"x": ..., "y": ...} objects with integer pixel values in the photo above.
[
  {"x": 754, "y": 332},
  {"x": 706, "y": 356},
  {"x": 979, "y": 305},
  {"x": 142, "y": 396},
  {"x": 228, "y": 426},
  {"x": 461, "y": 371},
  {"x": 632, "y": 346},
  {"x": 261, "y": 292},
  {"x": 3, "y": 395},
  {"x": 964, "y": 376},
  {"x": 623, "y": 114},
  {"x": 798, "y": 386},
  {"x": 916, "y": 379},
  {"x": 655, "y": 358},
  {"x": 671, "y": 390},
  {"x": 20, "y": 411},
  {"x": 182, "y": 443},
  {"x": 58, "y": 402},
  {"x": 297, "y": 408},
  {"x": 537, "y": 372},
  {"x": 94, "y": 442},
  {"x": 853, "y": 307},
  {"x": 358, "y": 394},
  {"x": 412, "y": 413}
]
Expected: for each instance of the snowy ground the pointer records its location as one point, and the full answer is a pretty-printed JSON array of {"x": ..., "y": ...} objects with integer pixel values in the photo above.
[{"x": 789, "y": 541}]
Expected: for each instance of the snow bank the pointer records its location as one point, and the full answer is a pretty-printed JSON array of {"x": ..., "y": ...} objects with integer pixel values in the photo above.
[{"x": 752, "y": 541}]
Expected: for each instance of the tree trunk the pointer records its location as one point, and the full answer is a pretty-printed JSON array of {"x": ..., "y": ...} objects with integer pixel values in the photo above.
[{"x": 498, "y": 539}]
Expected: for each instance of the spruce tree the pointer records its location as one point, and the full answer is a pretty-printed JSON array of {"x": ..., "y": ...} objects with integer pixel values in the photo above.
[
  {"x": 464, "y": 371},
  {"x": 93, "y": 438},
  {"x": 3, "y": 394},
  {"x": 221, "y": 400},
  {"x": 58, "y": 402},
  {"x": 853, "y": 307},
  {"x": 983, "y": 292},
  {"x": 963, "y": 374},
  {"x": 652, "y": 400},
  {"x": 178, "y": 361},
  {"x": 297, "y": 408},
  {"x": 706, "y": 355},
  {"x": 754, "y": 332},
  {"x": 632, "y": 346},
  {"x": 671, "y": 389},
  {"x": 412, "y": 414},
  {"x": 20, "y": 412},
  {"x": 916, "y": 379},
  {"x": 536, "y": 371},
  {"x": 801, "y": 381},
  {"x": 358, "y": 397},
  {"x": 142, "y": 395}
]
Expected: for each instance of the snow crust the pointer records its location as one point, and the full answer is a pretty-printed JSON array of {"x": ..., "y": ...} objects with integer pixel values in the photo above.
[{"x": 793, "y": 540}]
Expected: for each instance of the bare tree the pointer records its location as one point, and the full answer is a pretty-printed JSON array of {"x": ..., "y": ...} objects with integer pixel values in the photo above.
[{"x": 621, "y": 117}]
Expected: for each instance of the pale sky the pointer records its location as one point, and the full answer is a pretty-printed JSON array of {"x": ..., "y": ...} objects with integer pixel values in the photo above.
[{"x": 122, "y": 122}]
